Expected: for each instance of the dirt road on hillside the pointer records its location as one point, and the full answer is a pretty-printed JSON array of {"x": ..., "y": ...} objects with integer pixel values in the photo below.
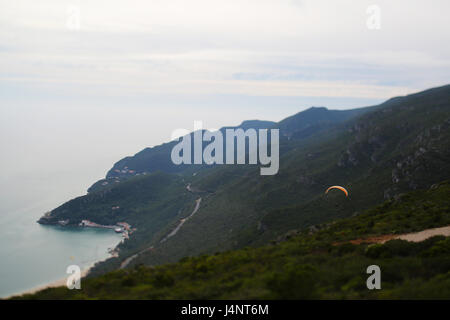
[{"x": 412, "y": 237}]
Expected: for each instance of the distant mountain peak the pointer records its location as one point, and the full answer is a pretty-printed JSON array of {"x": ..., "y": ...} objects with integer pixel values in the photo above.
[
  {"x": 256, "y": 124},
  {"x": 317, "y": 108}
]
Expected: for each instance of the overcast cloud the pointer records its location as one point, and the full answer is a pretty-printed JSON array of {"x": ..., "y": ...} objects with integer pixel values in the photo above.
[{"x": 136, "y": 70}]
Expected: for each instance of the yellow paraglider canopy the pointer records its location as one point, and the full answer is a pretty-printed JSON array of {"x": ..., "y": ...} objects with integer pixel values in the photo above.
[{"x": 338, "y": 187}]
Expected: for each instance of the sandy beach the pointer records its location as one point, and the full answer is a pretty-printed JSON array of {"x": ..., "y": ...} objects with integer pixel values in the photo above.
[{"x": 54, "y": 284}]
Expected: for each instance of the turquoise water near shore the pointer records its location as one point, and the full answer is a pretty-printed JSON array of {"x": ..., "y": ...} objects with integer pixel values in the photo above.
[{"x": 33, "y": 255}]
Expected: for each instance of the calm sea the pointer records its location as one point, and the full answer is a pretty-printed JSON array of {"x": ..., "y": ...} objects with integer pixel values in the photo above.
[{"x": 33, "y": 255}]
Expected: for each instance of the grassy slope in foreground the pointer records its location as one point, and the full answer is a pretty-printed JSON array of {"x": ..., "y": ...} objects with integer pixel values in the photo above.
[{"x": 304, "y": 266}]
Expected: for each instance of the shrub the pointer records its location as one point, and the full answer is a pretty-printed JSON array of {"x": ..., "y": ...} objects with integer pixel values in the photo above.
[
  {"x": 295, "y": 283},
  {"x": 163, "y": 280},
  {"x": 377, "y": 250},
  {"x": 399, "y": 247},
  {"x": 441, "y": 247}
]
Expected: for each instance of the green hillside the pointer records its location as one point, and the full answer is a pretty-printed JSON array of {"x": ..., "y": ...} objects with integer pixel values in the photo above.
[
  {"x": 402, "y": 145},
  {"x": 157, "y": 158},
  {"x": 309, "y": 265},
  {"x": 377, "y": 153}
]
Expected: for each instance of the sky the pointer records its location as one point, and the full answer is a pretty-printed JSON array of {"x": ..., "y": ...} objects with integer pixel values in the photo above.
[{"x": 84, "y": 83}]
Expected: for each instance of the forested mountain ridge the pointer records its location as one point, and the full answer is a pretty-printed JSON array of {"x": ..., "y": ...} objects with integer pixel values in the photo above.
[
  {"x": 299, "y": 127},
  {"x": 377, "y": 153}
]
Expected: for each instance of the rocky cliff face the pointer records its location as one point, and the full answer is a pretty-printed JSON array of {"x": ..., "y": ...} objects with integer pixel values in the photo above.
[{"x": 410, "y": 136}]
